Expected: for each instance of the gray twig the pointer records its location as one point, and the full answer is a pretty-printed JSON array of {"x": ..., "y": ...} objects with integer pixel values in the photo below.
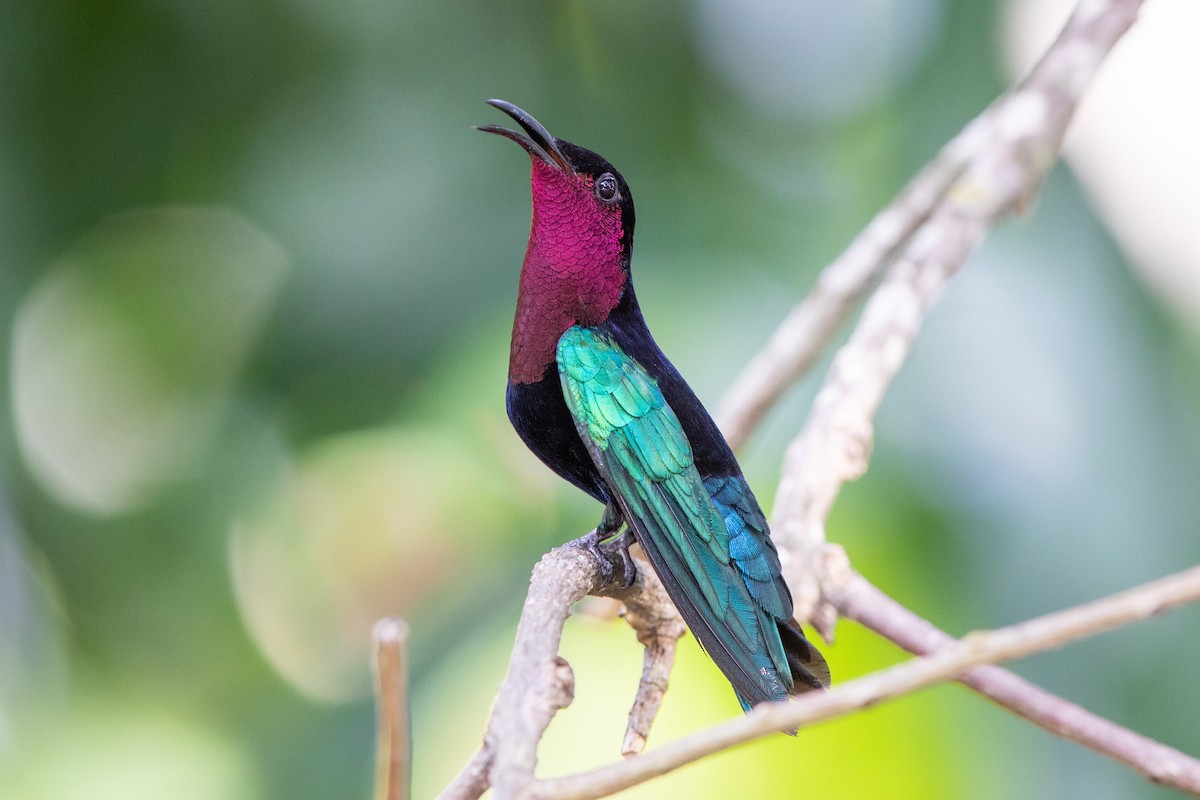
[
  {"x": 859, "y": 600},
  {"x": 659, "y": 627},
  {"x": 808, "y": 328}
]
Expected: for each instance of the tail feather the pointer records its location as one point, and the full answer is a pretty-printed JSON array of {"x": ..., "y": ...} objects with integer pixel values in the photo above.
[{"x": 808, "y": 667}]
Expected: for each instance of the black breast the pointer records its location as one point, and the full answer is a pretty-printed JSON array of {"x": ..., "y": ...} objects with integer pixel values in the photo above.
[{"x": 540, "y": 415}]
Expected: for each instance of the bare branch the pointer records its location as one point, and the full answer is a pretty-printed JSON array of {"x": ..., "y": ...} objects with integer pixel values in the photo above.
[
  {"x": 654, "y": 618},
  {"x": 1020, "y": 142},
  {"x": 472, "y": 781},
  {"x": 1042, "y": 633},
  {"x": 539, "y": 681},
  {"x": 803, "y": 335},
  {"x": 393, "y": 757},
  {"x": 659, "y": 627},
  {"x": 807, "y": 330},
  {"x": 860, "y": 601}
]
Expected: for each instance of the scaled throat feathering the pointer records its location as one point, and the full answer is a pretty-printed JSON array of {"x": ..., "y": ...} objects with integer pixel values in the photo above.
[{"x": 593, "y": 396}]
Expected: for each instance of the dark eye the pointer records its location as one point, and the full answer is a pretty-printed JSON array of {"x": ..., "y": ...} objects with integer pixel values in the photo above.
[{"x": 606, "y": 187}]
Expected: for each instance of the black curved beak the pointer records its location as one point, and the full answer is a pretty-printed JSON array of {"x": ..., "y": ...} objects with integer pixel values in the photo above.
[{"x": 539, "y": 143}]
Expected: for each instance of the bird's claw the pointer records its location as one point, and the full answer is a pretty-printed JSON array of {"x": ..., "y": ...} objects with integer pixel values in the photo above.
[
  {"x": 594, "y": 542},
  {"x": 591, "y": 542},
  {"x": 628, "y": 568}
]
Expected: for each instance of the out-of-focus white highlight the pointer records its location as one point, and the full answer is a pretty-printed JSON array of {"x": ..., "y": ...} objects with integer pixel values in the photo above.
[
  {"x": 361, "y": 526},
  {"x": 124, "y": 353},
  {"x": 1134, "y": 140},
  {"x": 90, "y": 421}
]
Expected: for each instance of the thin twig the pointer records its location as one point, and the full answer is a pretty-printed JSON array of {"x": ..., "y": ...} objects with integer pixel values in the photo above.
[
  {"x": 806, "y": 331},
  {"x": 659, "y": 627},
  {"x": 393, "y": 740},
  {"x": 1016, "y": 641},
  {"x": 859, "y": 600}
]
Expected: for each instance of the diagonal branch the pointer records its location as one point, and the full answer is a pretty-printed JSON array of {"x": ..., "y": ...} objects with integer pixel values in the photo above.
[
  {"x": 1016, "y": 641},
  {"x": 472, "y": 781},
  {"x": 1016, "y": 148},
  {"x": 808, "y": 328},
  {"x": 860, "y": 601},
  {"x": 539, "y": 681},
  {"x": 1019, "y": 146}
]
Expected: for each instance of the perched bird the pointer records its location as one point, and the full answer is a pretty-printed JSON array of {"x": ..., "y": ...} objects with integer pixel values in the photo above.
[{"x": 593, "y": 396}]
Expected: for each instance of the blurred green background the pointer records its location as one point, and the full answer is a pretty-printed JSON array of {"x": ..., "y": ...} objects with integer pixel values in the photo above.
[{"x": 256, "y": 279}]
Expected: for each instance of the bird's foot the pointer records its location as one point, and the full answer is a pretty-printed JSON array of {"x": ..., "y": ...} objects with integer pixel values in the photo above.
[
  {"x": 591, "y": 542},
  {"x": 602, "y": 534},
  {"x": 601, "y": 548},
  {"x": 628, "y": 568}
]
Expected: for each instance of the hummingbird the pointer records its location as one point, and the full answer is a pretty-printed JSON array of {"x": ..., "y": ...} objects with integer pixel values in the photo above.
[{"x": 592, "y": 395}]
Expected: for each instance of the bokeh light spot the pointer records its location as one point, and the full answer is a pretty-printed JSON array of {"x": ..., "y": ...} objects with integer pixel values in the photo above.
[{"x": 125, "y": 352}]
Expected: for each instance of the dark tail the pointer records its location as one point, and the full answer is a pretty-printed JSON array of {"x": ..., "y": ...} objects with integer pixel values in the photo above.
[{"x": 808, "y": 667}]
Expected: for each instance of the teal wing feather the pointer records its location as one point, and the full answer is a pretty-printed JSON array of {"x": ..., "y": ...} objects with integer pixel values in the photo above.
[
  {"x": 705, "y": 537},
  {"x": 749, "y": 547}
]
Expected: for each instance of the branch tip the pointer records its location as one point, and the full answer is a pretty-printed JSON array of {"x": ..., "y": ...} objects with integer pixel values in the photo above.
[{"x": 393, "y": 748}]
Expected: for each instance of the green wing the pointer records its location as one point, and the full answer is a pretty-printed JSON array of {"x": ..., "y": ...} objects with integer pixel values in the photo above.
[{"x": 733, "y": 605}]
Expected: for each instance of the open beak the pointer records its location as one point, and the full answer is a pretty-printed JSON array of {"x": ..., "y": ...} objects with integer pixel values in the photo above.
[{"x": 539, "y": 143}]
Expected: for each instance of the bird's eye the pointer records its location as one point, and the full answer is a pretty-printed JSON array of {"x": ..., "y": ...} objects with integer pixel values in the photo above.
[{"x": 606, "y": 187}]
